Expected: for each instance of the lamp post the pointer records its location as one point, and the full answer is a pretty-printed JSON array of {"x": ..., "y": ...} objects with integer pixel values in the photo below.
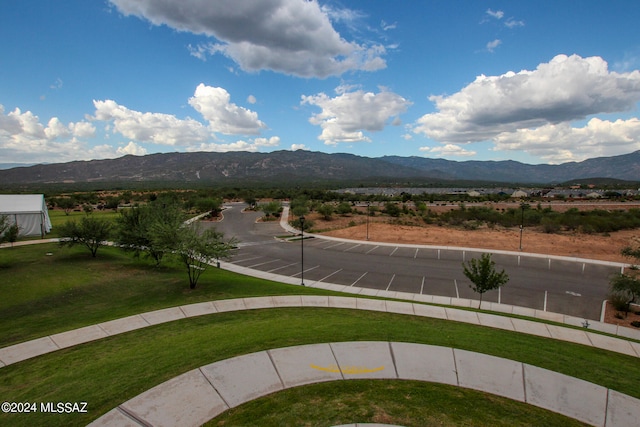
[
  {"x": 302, "y": 249},
  {"x": 368, "y": 213},
  {"x": 521, "y": 224}
]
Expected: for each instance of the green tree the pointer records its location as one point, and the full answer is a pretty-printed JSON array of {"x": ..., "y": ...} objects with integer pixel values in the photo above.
[
  {"x": 270, "y": 208},
  {"x": 12, "y": 234},
  {"x": 134, "y": 228},
  {"x": 326, "y": 210},
  {"x": 344, "y": 208},
  {"x": 67, "y": 204},
  {"x": 392, "y": 209},
  {"x": 483, "y": 275},
  {"x": 90, "y": 231},
  {"x": 211, "y": 205},
  {"x": 4, "y": 224},
  {"x": 196, "y": 250},
  {"x": 300, "y": 206},
  {"x": 625, "y": 286}
]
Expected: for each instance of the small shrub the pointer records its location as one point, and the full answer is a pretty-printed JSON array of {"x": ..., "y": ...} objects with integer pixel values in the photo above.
[
  {"x": 636, "y": 323},
  {"x": 470, "y": 225},
  {"x": 618, "y": 301},
  {"x": 618, "y": 315}
]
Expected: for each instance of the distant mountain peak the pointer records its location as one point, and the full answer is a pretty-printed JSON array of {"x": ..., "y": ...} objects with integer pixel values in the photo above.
[{"x": 308, "y": 166}]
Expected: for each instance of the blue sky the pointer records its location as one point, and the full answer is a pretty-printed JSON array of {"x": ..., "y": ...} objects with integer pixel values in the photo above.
[{"x": 535, "y": 81}]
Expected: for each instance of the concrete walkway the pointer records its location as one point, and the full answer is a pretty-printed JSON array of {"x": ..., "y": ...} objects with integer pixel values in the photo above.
[
  {"x": 197, "y": 396},
  {"x": 48, "y": 344}
]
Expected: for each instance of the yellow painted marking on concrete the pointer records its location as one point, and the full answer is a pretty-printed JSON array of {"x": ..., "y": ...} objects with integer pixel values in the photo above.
[{"x": 348, "y": 370}]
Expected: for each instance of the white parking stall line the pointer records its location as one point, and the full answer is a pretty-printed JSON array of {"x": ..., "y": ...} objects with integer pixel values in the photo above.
[
  {"x": 390, "y": 281},
  {"x": 455, "y": 282},
  {"x": 422, "y": 286},
  {"x": 326, "y": 277},
  {"x": 357, "y": 280},
  {"x": 333, "y": 246},
  {"x": 263, "y": 263},
  {"x": 308, "y": 269},
  {"x": 372, "y": 249},
  {"x": 235, "y": 261},
  {"x": 416, "y": 254},
  {"x": 352, "y": 247},
  {"x": 284, "y": 266},
  {"x": 394, "y": 251}
]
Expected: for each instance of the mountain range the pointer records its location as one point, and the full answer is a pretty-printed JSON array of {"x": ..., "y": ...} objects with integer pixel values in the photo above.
[{"x": 305, "y": 166}]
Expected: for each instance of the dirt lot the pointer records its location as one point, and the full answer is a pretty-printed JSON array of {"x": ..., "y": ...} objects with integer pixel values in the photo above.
[{"x": 591, "y": 246}]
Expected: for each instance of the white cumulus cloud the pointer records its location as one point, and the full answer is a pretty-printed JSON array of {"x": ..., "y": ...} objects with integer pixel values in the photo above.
[
  {"x": 24, "y": 138},
  {"x": 133, "y": 149},
  {"x": 562, "y": 143},
  {"x": 448, "y": 150},
  {"x": 568, "y": 88},
  {"x": 224, "y": 116},
  {"x": 158, "y": 128},
  {"x": 289, "y": 36},
  {"x": 345, "y": 117},
  {"x": 251, "y": 145}
]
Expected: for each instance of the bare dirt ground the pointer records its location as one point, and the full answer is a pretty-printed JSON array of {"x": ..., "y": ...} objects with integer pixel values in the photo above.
[
  {"x": 591, "y": 246},
  {"x": 610, "y": 316}
]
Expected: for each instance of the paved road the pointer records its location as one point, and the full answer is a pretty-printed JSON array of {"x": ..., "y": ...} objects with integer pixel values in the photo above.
[{"x": 561, "y": 286}]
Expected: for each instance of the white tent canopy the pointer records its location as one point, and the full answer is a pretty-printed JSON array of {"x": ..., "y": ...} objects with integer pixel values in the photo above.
[{"x": 29, "y": 211}]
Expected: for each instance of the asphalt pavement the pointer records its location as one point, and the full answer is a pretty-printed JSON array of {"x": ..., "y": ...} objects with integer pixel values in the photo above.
[{"x": 569, "y": 286}]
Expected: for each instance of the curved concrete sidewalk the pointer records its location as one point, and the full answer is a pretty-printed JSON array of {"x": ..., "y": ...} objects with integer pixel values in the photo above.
[
  {"x": 48, "y": 344},
  {"x": 197, "y": 396}
]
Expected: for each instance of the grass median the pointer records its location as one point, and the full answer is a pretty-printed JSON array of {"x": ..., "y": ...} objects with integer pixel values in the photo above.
[{"x": 110, "y": 371}]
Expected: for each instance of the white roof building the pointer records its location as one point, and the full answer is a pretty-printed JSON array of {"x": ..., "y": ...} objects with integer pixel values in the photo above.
[{"x": 29, "y": 211}]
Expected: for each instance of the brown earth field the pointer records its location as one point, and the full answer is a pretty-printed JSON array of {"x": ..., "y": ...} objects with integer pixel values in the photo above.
[{"x": 605, "y": 247}]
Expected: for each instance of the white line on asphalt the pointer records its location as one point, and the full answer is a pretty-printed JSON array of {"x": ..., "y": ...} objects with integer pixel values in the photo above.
[
  {"x": 372, "y": 249},
  {"x": 308, "y": 269},
  {"x": 455, "y": 282},
  {"x": 422, "y": 286},
  {"x": 284, "y": 266},
  {"x": 575, "y": 294},
  {"x": 363, "y": 274},
  {"x": 352, "y": 247},
  {"x": 544, "y": 306},
  {"x": 416, "y": 254},
  {"x": 235, "y": 261},
  {"x": 263, "y": 263},
  {"x": 326, "y": 277},
  {"x": 389, "y": 285},
  {"x": 394, "y": 251},
  {"x": 333, "y": 246}
]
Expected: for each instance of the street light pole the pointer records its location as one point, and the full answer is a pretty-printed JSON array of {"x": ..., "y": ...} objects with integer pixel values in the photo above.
[
  {"x": 521, "y": 225},
  {"x": 368, "y": 213},
  {"x": 302, "y": 249}
]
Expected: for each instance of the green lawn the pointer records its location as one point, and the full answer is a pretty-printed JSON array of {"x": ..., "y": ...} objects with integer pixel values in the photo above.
[
  {"x": 48, "y": 289},
  {"x": 44, "y": 294},
  {"x": 405, "y": 403},
  {"x": 59, "y": 217}
]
